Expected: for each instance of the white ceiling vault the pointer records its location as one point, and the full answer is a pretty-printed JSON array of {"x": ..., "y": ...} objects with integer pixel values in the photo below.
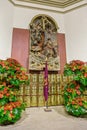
[{"x": 61, "y": 6}]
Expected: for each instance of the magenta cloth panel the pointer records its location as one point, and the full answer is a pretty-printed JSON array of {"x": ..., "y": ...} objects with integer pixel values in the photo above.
[{"x": 46, "y": 82}]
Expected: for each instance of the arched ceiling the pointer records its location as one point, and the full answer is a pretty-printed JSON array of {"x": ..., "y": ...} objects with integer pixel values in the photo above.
[{"x": 61, "y": 6}]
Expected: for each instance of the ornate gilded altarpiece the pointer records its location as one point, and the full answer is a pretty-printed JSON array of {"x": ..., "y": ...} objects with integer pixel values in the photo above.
[{"x": 43, "y": 44}]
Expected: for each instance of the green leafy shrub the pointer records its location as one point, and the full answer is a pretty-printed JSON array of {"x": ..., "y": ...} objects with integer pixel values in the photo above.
[
  {"x": 12, "y": 75},
  {"x": 75, "y": 102}
]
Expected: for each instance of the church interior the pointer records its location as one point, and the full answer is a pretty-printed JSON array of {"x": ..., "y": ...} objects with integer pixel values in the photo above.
[{"x": 43, "y": 64}]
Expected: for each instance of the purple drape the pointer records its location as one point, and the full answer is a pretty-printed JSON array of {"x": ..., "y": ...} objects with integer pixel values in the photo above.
[{"x": 46, "y": 82}]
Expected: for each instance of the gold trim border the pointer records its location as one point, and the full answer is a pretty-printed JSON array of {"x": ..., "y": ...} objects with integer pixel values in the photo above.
[
  {"x": 52, "y": 3},
  {"x": 49, "y": 10}
]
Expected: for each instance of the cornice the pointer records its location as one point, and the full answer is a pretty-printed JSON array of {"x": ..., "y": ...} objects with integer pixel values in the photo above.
[
  {"x": 26, "y": 4},
  {"x": 53, "y": 3}
]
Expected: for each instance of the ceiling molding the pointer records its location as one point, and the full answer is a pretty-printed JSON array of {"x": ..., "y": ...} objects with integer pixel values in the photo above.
[
  {"x": 67, "y": 6},
  {"x": 53, "y": 3}
]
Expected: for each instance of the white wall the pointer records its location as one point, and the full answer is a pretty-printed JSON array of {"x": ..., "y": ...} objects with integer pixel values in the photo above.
[
  {"x": 76, "y": 34},
  {"x": 23, "y": 17},
  {"x": 18, "y": 17},
  {"x": 6, "y": 25}
]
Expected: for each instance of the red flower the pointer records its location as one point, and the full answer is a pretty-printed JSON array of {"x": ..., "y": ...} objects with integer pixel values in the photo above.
[
  {"x": 80, "y": 103},
  {"x": 73, "y": 102},
  {"x": 1, "y": 95},
  {"x": 78, "y": 86},
  {"x": 85, "y": 74},
  {"x": 4, "y": 83},
  {"x": 78, "y": 92}
]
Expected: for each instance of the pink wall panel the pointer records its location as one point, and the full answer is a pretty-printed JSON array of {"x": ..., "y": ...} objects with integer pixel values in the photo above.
[
  {"x": 20, "y": 46},
  {"x": 62, "y": 50}
]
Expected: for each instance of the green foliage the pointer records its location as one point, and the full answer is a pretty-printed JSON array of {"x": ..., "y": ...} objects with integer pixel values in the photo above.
[
  {"x": 12, "y": 75},
  {"x": 74, "y": 101},
  {"x": 11, "y": 112}
]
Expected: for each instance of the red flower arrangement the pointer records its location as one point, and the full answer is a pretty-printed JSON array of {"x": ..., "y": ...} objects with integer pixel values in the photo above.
[
  {"x": 12, "y": 75},
  {"x": 75, "y": 103}
]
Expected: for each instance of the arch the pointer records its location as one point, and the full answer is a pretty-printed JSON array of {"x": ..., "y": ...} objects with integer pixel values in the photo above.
[
  {"x": 43, "y": 43},
  {"x": 42, "y": 15}
]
